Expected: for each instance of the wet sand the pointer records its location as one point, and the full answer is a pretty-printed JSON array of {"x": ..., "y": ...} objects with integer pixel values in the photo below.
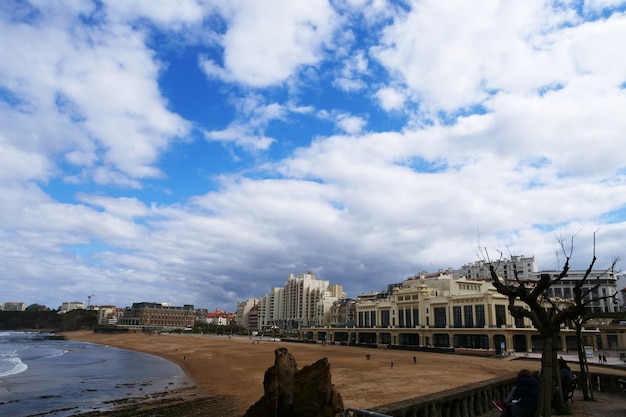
[{"x": 232, "y": 369}]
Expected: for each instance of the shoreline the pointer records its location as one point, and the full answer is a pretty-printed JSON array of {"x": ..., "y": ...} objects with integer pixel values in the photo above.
[
  {"x": 233, "y": 368},
  {"x": 228, "y": 372}
]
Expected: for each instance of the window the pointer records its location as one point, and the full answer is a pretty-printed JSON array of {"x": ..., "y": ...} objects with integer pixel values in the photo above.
[
  {"x": 373, "y": 318},
  {"x": 500, "y": 316},
  {"x": 480, "y": 315},
  {"x": 456, "y": 312},
  {"x": 416, "y": 316},
  {"x": 408, "y": 317},
  {"x": 468, "y": 312},
  {"x": 400, "y": 318},
  {"x": 384, "y": 318},
  {"x": 440, "y": 316}
]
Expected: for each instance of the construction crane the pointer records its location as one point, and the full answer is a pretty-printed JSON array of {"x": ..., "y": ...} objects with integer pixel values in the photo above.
[{"x": 89, "y": 300}]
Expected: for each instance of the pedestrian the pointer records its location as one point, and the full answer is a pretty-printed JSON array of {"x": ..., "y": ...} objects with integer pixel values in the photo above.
[
  {"x": 604, "y": 359},
  {"x": 567, "y": 379},
  {"x": 414, "y": 360},
  {"x": 523, "y": 399},
  {"x": 391, "y": 367}
]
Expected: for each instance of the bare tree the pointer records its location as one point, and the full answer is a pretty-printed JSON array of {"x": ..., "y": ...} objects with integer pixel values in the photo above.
[{"x": 547, "y": 315}]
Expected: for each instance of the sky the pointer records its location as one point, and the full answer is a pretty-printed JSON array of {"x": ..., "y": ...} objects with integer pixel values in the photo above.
[{"x": 200, "y": 151}]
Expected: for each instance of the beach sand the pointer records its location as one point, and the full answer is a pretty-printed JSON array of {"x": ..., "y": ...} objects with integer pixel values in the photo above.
[{"x": 229, "y": 371}]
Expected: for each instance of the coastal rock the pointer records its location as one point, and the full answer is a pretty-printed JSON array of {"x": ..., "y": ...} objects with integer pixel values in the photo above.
[{"x": 290, "y": 392}]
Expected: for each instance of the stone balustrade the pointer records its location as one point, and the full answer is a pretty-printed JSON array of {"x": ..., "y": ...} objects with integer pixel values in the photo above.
[{"x": 475, "y": 400}]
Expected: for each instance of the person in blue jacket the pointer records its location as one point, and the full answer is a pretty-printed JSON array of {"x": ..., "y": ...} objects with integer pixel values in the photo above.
[{"x": 523, "y": 399}]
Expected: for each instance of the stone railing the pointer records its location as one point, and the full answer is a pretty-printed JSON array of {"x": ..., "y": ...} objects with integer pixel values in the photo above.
[
  {"x": 611, "y": 384},
  {"x": 471, "y": 400},
  {"x": 474, "y": 400}
]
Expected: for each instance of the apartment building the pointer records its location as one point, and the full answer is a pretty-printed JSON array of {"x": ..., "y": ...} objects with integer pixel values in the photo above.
[
  {"x": 525, "y": 267},
  {"x": 247, "y": 313},
  {"x": 303, "y": 301},
  {"x": 599, "y": 290}
]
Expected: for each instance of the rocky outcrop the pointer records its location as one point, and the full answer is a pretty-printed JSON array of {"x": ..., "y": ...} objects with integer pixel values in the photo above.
[{"x": 290, "y": 392}]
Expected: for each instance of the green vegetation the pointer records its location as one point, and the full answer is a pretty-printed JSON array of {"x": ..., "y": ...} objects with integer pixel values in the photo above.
[{"x": 47, "y": 320}]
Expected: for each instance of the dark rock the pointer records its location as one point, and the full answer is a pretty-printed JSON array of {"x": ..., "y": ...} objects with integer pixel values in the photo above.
[{"x": 290, "y": 392}]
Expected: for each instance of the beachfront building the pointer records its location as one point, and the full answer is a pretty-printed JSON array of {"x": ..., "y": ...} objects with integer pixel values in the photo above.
[
  {"x": 108, "y": 315},
  {"x": 303, "y": 301},
  {"x": 436, "y": 310},
  {"x": 343, "y": 313},
  {"x": 219, "y": 318},
  {"x": 157, "y": 317},
  {"x": 247, "y": 313}
]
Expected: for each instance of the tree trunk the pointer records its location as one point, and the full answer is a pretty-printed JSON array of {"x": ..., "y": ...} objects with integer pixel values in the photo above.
[
  {"x": 545, "y": 397},
  {"x": 583, "y": 380}
]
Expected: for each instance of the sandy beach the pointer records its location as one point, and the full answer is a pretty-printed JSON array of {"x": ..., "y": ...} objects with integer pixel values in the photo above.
[{"x": 233, "y": 368}]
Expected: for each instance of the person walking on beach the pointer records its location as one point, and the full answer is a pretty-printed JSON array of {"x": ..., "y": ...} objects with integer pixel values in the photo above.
[
  {"x": 391, "y": 367},
  {"x": 414, "y": 360}
]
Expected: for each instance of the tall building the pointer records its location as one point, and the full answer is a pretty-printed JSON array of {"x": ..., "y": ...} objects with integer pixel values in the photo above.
[
  {"x": 303, "y": 301},
  {"x": 269, "y": 309},
  {"x": 244, "y": 309}
]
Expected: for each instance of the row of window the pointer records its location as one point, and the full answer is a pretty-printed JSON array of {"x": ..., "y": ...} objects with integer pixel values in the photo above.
[{"x": 462, "y": 316}]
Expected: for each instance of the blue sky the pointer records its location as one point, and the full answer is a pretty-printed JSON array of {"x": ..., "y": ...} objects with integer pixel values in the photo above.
[{"x": 201, "y": 151}]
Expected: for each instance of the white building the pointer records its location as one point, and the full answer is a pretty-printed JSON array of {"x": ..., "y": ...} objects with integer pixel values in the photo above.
[
  {"x": 14, "y": 306},
  {"x": 601, "y": 299},
  {"x": 303, "y": 301},
  {"x": 71, "y": 305},
  {"x": 526, "y": 268}
]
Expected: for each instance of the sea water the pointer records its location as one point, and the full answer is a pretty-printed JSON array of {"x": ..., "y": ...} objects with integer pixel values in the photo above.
[{"x": 44, "y": 375}]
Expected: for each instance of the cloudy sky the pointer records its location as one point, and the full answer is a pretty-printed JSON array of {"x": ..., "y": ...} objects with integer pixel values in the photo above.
[{"x": 200, "y": 151}]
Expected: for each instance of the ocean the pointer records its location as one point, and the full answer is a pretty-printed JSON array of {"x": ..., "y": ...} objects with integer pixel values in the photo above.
[{"x": 46, "y": 376}]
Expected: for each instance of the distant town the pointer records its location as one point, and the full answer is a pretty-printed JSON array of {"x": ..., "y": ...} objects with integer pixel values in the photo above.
[{"x": 453, "y": 308}]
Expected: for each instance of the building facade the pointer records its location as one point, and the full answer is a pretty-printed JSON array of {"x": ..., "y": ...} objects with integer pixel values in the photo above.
[
  {"x": 14, "y": 306},
  {"x": 157, "y": 316},
  {"x": 71, "y": 305},
  {"x": 442, "y": 312},
  {"x": 599, "y": 290},
  {"x": 247, "y": 313},
  {"x": 525, "y": 267},
  {"x": 303, "y": 301}
]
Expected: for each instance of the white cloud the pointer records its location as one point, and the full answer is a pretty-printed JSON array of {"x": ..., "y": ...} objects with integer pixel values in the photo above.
[
  {"x": 351, "y": 124},
  {"x": 539, "y": 154},
  {"x": 390, "y": 98},
  {"x": 94, "y": 92},
  {"x": 266, "y": 42}
]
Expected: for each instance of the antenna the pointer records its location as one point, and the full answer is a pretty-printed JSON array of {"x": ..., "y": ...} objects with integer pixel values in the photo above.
[{"x": 558, "y": 263}]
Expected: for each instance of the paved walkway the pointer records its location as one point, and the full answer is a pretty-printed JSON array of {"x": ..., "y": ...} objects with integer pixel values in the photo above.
[{"x": 612, "y": 358}]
